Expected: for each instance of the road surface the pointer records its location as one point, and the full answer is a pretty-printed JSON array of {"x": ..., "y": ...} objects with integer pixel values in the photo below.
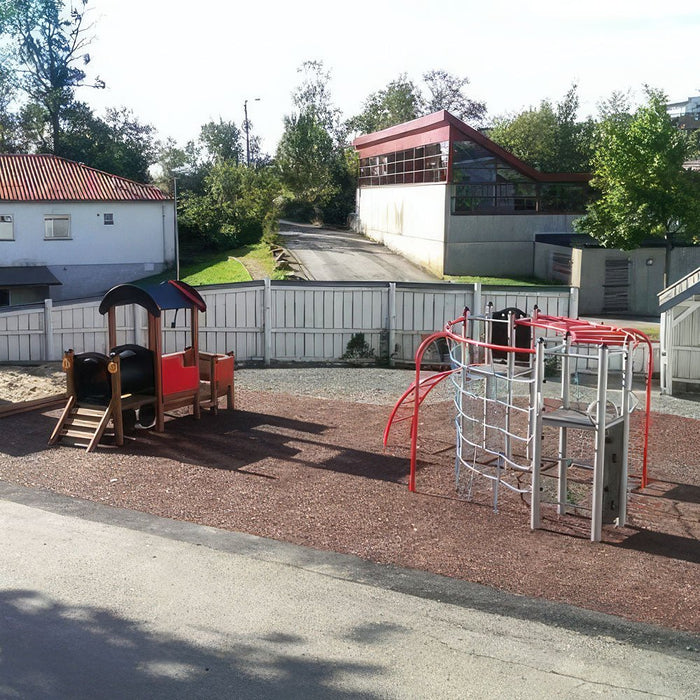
[
  {"x": 99, "y": 602},
  {"x": 329, "y": 255}
]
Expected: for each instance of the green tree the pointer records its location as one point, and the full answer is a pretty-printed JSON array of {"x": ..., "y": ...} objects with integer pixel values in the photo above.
[
  {"x": 9, "y": 122},
  {"x": 447, "y": 92},
  {"x": 644, "y": 190},
  {"x": 46, "y": 43},
  {"x": 548, "y": 138},
  {"x": 305, "y": 157},
  {"x": 310, "y": 158},
  {"x": 117, "y": 143},
  {"x": 182, "y": 163},
  {"x": 312, "y": 98},
  {"x": 232, "y": 210},
  {"x": 222, "y": 141},
  {"x": 400, "y": 101}
]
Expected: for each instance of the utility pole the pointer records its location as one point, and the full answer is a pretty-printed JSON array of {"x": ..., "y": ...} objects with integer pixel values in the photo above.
[{"x": 247, "y": 130}]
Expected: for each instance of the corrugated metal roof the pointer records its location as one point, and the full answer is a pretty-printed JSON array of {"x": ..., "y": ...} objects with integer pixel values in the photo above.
[{"x": 47, "y": 178}]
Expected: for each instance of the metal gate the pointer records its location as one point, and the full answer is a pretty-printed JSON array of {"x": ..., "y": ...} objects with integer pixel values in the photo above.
[{"x": 616, "y": 286}]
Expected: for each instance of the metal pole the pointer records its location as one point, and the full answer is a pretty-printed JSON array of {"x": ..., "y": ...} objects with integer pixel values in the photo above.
[
  {"x": 247, "y": 133},
  {"x": 563, "y": 447},
  {"x": 599, "y": 460},
  {"x": 177, "y": 234},
  {"x": 535, "y": 514}
]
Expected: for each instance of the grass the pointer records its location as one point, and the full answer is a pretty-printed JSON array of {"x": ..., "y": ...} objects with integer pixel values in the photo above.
[
  {"x": 502, "y": 281},
  {"x": 235, "y": 265}
]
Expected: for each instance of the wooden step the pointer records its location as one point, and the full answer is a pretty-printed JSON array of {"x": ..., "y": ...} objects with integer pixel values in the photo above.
[
  {"x": 86, "y": 422},
  {"x": 70, "y": 432},
  {"x": 87, "y": 411}
]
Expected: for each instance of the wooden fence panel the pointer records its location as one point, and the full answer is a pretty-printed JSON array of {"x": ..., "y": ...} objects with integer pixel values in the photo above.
[
  {"x": 22, "y": 336},
  {"x": 424, "y": 309},
  {"x": 308, "y": 321}
]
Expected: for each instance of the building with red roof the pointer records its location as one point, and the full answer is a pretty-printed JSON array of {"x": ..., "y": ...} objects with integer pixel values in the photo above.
[
  {"x": 69, "y": 231},
  {"x": 455, "y": 202}
]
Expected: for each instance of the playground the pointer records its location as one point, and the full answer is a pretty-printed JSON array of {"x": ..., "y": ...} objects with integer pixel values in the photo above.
[{"x": 291, "y": 466}]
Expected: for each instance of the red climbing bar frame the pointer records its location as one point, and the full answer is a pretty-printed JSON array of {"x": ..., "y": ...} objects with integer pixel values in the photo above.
[
  {"x": 418, "y": 399},
  {"x": 580, "y": 332}
]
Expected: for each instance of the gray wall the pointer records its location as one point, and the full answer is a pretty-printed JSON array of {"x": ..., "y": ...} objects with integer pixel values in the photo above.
[
  {"x": 646, "y": 280},
  {"x": 500, "y": 245},
  {"x": 94, "y": 280}
]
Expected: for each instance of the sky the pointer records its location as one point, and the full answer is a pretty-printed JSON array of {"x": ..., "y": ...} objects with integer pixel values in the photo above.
[{"x": 178, "y": 65}]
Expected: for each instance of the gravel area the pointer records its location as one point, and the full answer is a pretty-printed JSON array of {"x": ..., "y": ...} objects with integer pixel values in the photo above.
[{"x": 383, "y": 387}]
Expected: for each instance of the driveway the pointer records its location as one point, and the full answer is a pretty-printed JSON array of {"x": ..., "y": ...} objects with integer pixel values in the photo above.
[{"x": 327, "y": 255}]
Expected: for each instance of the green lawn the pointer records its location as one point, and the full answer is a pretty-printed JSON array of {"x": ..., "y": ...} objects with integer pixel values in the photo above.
[
  {"x": 502, "y": 281},
  {"x": 235, "y": 265}
]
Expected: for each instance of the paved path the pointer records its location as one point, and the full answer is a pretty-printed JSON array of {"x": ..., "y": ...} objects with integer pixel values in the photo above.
[
  {"x": 342, "y": 255},
  {"x": 98, "y": 602}
]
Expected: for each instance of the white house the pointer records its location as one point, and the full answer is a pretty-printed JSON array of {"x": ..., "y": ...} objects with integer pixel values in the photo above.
[{"x": 69, "y": 231}]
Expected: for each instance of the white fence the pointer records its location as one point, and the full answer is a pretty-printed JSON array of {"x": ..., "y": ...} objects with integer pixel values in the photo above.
[{"x": 278, "y": 321}]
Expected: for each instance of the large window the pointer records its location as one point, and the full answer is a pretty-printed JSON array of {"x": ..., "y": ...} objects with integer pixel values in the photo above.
[
  {"x": 6, "y": 228},
  {"x": 57, "y": 227},
  {"x": 412, "y": 165},
  {"x": 484, "y": 183}
]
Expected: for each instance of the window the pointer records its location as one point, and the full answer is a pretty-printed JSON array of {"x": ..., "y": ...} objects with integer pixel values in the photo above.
[
  {"x": 108, "y": 219},
  {"x": 421, "y": 164},
  {"x": 4, "y": 297},
  {"x": 56, "y": 227},
  {"x": 483, "y": 183},
  {"x": 6, "y": 228}
]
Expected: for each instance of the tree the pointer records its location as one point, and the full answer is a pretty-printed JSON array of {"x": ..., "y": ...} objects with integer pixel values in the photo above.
[
  {"x": 312, "y": 97},
  {"x": 548, "y": 138},
  {"x": 9, "y": 122},
  {"x": 304, "y": 160},
  {"x": 222, "y": 141},
  {"x": 233, "y": 209},
  {"x": 644, "y": 190},
  {"x": 446, "y": 92},
  {"x": 46, "y": 45},
  {"x": 116, "y": 143},
  {"x": 400, "y": 101},
  {"x": 310, "y": 158}
]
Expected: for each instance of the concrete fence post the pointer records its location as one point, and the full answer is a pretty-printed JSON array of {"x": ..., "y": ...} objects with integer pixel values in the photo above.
[
  {"x": 267, "y": 321},
  {"x": 573, "y": 302},
  {"x": 476, "y": 303},
  {"x": 391, "y": 313},
  {"x": 48, "y": 331}
]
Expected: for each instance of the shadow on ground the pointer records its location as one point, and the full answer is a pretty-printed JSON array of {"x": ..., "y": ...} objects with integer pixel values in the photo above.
[
  {"x": 229, "y": 441},
  {"x": 51, "y": 650}
]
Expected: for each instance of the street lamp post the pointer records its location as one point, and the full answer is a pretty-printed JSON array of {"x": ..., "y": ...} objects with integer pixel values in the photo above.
[
  {"x": 247, "y": 130},
  {"x": 177, "y": 234}
]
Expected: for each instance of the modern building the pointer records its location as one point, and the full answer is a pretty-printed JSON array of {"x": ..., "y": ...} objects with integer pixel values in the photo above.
[
  {"x": 447, "y": 197},
  {"x": 686, "y": 114},
  {"x": 70, "y": 231}
]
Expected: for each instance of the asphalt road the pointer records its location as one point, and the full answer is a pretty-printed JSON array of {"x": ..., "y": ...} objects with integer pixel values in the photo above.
[
  {"x": 98, "y": 602},
  {"x": 329, "y": 255}
]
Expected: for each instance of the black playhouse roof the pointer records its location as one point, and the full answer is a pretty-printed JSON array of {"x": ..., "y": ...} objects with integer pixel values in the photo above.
[{"x": 155, "y": 298}]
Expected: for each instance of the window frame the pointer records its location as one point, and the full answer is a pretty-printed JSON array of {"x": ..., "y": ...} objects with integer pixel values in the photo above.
[
  {"x": 11, "y": 221},
  {"x": 55, "y": 217}
]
